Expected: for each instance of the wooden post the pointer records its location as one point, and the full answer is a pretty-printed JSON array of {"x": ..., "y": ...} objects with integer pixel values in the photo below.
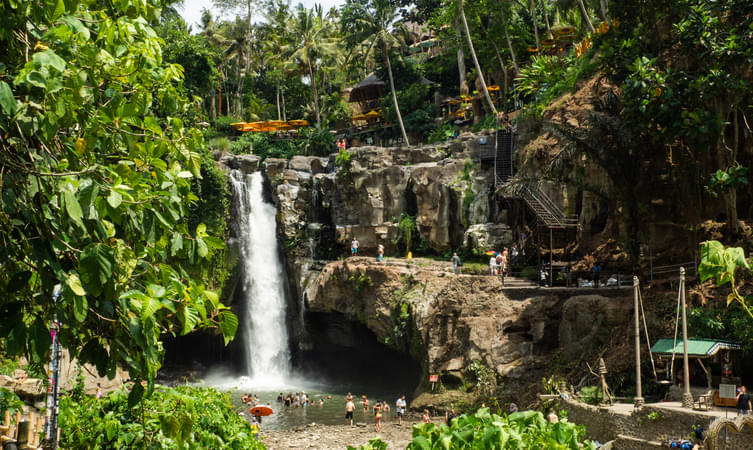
[
  {"x": 638, "y": 388},
  {"x": 687, "y": 398}
]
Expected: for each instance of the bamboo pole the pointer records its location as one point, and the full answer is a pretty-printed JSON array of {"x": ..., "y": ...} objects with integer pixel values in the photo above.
[
  {"x": 687, "y": 398},
  {"x": 639, "y": 401}
]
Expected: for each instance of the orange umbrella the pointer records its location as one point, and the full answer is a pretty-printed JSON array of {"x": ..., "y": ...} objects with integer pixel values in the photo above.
[
  {"x": 261, "y": 410},
  {"x": 298, "y": 123}
]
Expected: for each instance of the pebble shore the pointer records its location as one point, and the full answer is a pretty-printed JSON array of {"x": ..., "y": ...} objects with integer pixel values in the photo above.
[{"x": 316, "y": 436}]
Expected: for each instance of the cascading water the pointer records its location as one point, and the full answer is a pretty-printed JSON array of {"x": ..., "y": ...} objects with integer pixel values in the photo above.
[{"x": 264, "y": 331}]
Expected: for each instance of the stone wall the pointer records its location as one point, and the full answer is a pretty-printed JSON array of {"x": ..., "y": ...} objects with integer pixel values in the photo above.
[{"x": 655, "y": 424}]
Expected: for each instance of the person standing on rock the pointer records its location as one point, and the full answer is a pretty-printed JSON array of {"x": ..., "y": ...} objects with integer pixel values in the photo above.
[
  {"x": 380, "y": 253},
  {"x": 597, "y": 274},
  {"x": 354, "y": 247},
  {"x": 493, "y": 265},
  {"x": 455, "y": 268},
  {"x": 349, "y": 408},
  {"x": 400, "y": 409}
]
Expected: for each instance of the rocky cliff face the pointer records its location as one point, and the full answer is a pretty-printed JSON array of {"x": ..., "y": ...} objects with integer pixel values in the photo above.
[
  {"x": 447, "y": 321},
  {"x": 323, "y": 205}
]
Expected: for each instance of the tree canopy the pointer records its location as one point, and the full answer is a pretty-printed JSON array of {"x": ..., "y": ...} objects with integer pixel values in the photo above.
[{"x": 96, "y": 171}]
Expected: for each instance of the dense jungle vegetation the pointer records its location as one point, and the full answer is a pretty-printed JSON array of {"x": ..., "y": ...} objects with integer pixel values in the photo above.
[{"x": 110, "y": 113}]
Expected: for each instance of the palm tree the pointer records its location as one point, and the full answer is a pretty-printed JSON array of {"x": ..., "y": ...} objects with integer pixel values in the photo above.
[
  {"x": 461, "y": 7},
  {"x": 312, "y": 44},
  {"x": 370, "y": 25}
]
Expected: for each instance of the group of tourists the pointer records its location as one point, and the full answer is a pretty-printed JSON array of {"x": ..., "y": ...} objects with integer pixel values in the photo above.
[
  {"x": 381, "y": 409},
  {"x": 500, "y": 262},
  {"x": 354, "y": 245},
  {"x": 299, "y": 400}
]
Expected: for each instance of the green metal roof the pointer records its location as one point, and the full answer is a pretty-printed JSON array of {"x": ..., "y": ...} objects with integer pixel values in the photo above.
[{"x": 698, "y": 348}]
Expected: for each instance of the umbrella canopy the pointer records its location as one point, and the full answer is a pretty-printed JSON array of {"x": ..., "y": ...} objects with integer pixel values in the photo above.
[
  {"x": 491, "y": 253},
  {"x": 298, "y": 123},
  {"x": 261, "y": 410}
]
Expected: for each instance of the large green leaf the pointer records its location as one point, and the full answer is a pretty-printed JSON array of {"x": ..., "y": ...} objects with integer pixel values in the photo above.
[
  {"x": 72, "y": 207},
  {"x": 228, "y": 325},
  {"x": 95, "y": 267},
  {"x": 74, "y": 283},
  {"x": 80, "y": 307},
  {"x": 7, "y": 101}
]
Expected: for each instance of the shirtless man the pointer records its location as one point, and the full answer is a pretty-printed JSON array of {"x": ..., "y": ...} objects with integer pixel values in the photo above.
[{"x": 349, "y": 408}]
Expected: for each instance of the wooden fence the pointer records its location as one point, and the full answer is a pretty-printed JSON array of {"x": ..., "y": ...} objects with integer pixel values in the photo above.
[{"x": 24, "y": 431}]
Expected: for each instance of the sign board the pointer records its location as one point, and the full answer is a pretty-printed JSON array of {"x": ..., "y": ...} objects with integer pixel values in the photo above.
[
  {"x": 433, "y": 378},
  {"x": 727, "y": 391}
]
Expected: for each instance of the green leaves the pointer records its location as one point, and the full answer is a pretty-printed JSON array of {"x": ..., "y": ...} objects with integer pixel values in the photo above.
[
  {"x": 228, "y": 325},
  {"x": 7, "y": 101},
  {"x": 102, "y": 201},
  {"x": 721, "y": 264},
  {"x": 526, "y": 429},
  {"x": 95, "y": 265}
]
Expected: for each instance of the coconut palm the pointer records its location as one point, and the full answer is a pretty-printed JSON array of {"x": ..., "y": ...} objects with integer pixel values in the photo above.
[
  {"x": 461, "y": 7},
  {"x": 313, "y": 43},
  {"x": 370, "y": 25}
]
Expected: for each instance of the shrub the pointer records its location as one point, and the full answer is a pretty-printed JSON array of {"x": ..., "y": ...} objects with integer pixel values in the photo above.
[
  {"x": 196, "y": 417},
  {"x": 526, "y": 429}
]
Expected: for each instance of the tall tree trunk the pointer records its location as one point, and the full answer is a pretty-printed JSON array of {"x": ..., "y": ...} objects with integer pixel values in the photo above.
[
  {"x": 278, "y": 102},
  {"x": 475, "y": 60},
  {"x": 284, "y": 114},
  {"x": 502, "y": 66},
  {"x": 249, "y": 31},
  {"x": 394, "y": 96},
  {"x": 532, "y": 9},
  {"x": 460, "y": 55},
  {"x": 239, "y": 89},
  {"x": 605, "y": 11},
  {"x": 546, "y": 20},
  {"x": 316, "y": 95},
  {"x": 509, "y": 42},
  {"x": 219, "y": 89},
  {"x": 584, "y": 13}
]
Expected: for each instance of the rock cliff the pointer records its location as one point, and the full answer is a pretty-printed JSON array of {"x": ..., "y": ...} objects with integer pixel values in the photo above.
[{"x": 447, "y": 321}]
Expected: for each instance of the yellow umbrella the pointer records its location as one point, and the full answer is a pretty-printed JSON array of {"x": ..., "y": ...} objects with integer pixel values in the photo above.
[
  {"x": 493, "y": 87},
  {"x": 373, "y": 113},
  {"x": 298, "y": 123}
]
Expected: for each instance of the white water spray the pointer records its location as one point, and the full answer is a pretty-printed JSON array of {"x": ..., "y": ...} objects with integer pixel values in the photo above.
[{"x": 264, "y": 331}]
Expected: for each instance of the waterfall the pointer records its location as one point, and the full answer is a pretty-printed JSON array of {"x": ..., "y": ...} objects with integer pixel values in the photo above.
[{"x": 263, "y": 327}]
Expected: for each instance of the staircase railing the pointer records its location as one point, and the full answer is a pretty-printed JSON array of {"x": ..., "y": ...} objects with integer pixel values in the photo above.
[{"x": 552, "y": 215}]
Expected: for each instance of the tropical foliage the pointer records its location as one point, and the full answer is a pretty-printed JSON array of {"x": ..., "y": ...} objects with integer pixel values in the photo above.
[
  {"x": 526, "y": 429},
  {"x": 172, "y": 418},
  {"x": 98, "y": 166}
]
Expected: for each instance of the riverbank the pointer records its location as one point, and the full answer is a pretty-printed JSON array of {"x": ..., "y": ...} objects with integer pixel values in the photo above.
[{"x": 316, "y": 436}]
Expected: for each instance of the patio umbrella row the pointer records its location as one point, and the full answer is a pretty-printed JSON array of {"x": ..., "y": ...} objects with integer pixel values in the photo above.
[{"x": 269, "y": 126}]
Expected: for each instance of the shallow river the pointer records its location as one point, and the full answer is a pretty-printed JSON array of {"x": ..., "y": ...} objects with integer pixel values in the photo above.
[{"x": 331, "y": 412}]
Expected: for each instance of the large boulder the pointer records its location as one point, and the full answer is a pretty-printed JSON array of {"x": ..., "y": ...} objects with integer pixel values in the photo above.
[
  {"x": 29, "y": 388},
  {"x": 485, "y": 236}
]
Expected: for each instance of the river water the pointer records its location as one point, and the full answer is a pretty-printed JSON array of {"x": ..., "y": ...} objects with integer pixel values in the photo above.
[{"x": 330, "y": 412}]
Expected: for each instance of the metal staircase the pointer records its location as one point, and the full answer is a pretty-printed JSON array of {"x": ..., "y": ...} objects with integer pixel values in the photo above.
[
  {"x": 503, "y": 167},
  {"x": 547, "y": 213}
]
